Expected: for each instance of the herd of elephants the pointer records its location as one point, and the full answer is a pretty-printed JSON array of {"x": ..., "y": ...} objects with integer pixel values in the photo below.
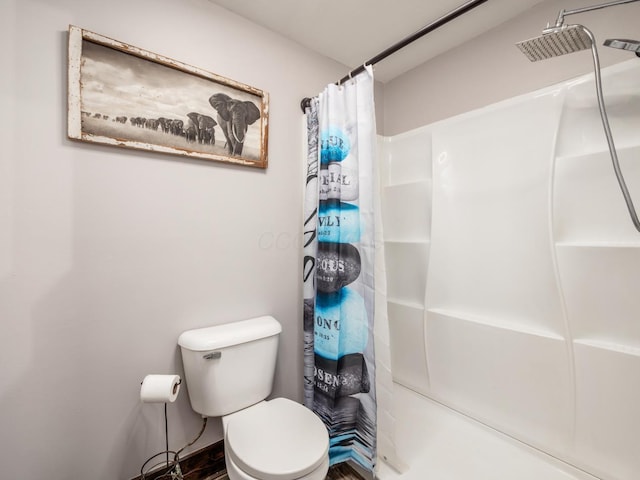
[{"x": 233, "y": 117}]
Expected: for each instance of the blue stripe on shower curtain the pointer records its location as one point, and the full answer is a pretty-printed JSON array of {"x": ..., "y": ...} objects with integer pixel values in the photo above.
[{"x": 339, "y": 371}]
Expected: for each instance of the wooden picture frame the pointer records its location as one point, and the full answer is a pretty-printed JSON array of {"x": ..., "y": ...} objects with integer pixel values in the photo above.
[{"x": 122, "y": 95}]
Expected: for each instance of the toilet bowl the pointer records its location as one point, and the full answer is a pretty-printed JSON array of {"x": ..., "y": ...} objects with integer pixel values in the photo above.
[
  {"x": 234, "y": 473},
  {"x": 275, "y": 440},
  {"x": 229, "y": 371}
]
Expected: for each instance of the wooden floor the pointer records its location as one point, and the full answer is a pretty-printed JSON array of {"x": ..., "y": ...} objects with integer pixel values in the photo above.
[
  {"x": 337, "y": 472},
  {"x": 343, "y": 471},
  {"x": 200, "y": 465}
]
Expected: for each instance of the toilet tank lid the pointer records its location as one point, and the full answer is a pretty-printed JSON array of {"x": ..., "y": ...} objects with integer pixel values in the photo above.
[{"x": 225, "y": 335}]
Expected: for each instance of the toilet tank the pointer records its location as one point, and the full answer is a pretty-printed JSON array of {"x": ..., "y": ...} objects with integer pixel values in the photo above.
[{"x": 231, "y": 366}]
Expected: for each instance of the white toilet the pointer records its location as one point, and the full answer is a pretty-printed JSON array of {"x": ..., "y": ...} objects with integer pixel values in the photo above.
[{"x": 229, "y": 373}]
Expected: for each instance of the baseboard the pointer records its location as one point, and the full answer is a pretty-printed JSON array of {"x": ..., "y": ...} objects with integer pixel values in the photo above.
[{"x": 208, "y": 461}]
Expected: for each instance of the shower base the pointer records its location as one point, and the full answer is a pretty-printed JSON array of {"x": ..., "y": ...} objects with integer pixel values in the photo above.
[{"x": 438, "y": 443}]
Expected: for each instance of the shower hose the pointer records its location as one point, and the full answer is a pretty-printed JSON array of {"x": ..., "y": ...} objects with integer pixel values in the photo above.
[{"x": 607, "y": 131}]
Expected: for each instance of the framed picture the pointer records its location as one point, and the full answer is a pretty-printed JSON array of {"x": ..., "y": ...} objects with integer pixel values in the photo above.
[{"x": 128, "y": 97}]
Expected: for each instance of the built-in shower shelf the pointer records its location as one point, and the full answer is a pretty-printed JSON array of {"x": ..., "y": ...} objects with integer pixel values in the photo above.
[
  {"x": 406, "y": 303},
  {"x": 426, "y": 182},
  {"x": 595, "y": 244},
  {"x": 611, "y": 346},
  {"x": 496, "y": 322},
  {"x": 407, "y": 241},
  {"x": 406, "y": 210},
  {"x": 621, "y": 149}
]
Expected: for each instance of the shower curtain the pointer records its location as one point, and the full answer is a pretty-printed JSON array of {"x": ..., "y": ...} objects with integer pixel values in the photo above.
[{"x": 339, "y": 370}]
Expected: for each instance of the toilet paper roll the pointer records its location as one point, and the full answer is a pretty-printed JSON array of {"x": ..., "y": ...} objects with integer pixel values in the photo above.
[{"x": 160, "y": 388}]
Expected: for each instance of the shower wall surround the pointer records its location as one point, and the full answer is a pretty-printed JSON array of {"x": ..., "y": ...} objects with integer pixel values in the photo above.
[{"x": 513, "y": 269}]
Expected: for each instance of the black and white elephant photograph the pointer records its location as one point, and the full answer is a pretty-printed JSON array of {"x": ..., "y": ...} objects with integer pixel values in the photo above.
[
  {"x": 234, "y": 117},
  {"x": 161, "y": 105}
]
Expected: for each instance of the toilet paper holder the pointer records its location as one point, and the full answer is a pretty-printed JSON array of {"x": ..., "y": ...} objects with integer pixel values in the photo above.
[{"x": 176, "y": 386}]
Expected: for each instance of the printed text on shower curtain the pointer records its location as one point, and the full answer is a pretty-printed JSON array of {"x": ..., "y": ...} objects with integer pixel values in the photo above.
[{"x": 338, "y": 268}]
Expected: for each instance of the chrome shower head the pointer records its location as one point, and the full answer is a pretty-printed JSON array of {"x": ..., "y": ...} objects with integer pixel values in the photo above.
[
  {"x": 624, "y": 44},
  {"x": 556, "y": 41},
  {"x": 562, "y": 39}
]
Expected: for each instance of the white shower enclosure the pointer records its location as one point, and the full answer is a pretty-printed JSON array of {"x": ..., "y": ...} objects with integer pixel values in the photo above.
[{"x": 513, "y": 269}]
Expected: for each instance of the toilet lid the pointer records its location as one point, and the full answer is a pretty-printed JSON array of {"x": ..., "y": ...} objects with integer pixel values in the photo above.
[{"x": 277, "y": 440}]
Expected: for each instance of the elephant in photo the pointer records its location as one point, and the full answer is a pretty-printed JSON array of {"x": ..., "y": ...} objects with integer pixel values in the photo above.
[
  {"x": 190, "y": 133},
  {"x": 152, "y": 124},
  {"x": 176, "y": 126},
  {"x": 165, "y": 124},
  {"x": 203, "y": 125},
  {"x": 234, "y": 116},
  {"x": 138, "y": 121}
]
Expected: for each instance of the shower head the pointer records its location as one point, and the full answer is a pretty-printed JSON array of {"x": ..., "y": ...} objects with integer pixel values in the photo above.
[
  {"x": 556, "y": 41},
  {"x": 562, "y": 39},
  {"x": 624, "y": 44}
]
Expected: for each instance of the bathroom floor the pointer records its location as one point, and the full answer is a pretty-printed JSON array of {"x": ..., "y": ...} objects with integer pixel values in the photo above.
[
  {"x": 337, "y": 472},
  {"x": 217, "y": 476},
  {"x": 343, "y": 472}
]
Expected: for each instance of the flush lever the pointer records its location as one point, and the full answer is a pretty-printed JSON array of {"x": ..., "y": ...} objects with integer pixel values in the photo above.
[{"x": 212, "y": 355}]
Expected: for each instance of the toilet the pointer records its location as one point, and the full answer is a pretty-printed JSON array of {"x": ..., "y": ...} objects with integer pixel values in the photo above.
[{"x": 229, "y": 373}]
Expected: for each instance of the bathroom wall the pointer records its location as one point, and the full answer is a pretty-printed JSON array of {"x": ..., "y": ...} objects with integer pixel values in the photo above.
[
  {"x": 490, "y": 68},
  {"x": 107, "y": 254},
  {"x": 512, "y": 267}
]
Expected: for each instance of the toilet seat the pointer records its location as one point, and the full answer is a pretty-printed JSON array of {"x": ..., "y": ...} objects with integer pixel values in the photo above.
[
  {"x": 234, "y": 473},
  {"x": 276, "y": 440}
]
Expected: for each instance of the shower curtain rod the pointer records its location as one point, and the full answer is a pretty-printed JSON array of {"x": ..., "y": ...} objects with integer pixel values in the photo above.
[{"x": 462, "y": 9}]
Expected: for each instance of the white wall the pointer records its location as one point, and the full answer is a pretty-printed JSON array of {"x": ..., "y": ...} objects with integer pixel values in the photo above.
[
  {"x": 107, "y": 254},
  {"x": 490, "y": 68}
]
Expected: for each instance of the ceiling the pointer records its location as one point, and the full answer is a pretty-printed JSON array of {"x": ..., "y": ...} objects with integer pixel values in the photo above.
[{"x": 353, "y": 31}]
